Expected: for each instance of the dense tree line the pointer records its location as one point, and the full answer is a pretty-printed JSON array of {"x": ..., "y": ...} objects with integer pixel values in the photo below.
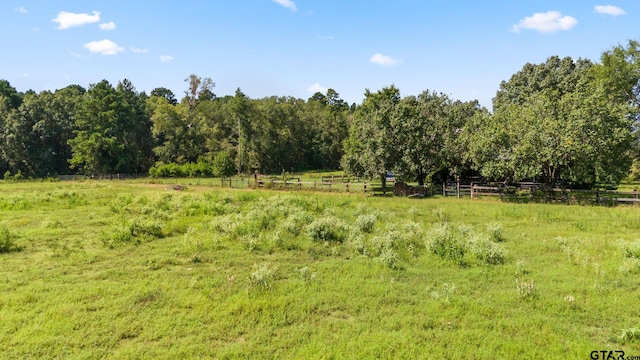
[
  {"x": 107, "y": 129},
  {"x": 562, "y": 122}
]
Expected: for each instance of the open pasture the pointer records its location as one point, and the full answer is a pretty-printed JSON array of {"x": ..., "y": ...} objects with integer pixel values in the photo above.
[{"x": 98, "y": 269}]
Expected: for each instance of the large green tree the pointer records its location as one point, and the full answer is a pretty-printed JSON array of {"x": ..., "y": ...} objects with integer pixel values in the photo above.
[
  {"x": 111, "y": 133},
  {"x": 37, "y": 133},
  {"x": 370, "y": 149},
  {"x": 553, "y": 122}
]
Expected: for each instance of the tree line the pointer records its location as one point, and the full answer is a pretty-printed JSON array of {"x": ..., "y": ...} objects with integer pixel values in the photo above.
[{"x": 562, "y": 122}]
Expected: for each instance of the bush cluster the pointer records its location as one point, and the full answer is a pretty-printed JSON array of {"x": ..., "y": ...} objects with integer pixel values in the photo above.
[{"x": 457, "y": 243}]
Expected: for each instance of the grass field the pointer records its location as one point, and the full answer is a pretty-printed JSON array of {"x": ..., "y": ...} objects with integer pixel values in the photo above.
[{"x": 131, "y": 270}]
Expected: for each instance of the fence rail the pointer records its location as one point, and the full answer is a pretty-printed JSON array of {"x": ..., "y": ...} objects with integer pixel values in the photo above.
[
  {"x": 532, "y": 191},
  {"x": 520, "y": 192}
]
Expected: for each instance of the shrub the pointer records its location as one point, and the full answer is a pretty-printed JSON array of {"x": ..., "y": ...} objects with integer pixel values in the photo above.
[
  {"x": 389, "y": 257},
  {"x": 149, "y": 228},
  {"x": 295, "y": 222},
  {"x": 494, "y": 230},
  {"x": 365, "y": 222},
  {"x": 7, "y": 241},
  {"x": 630, "y": 266},
  {"x": 133, "y": 231},
  {"x": 444, "y": 242},
  {"x": 487, "y": 252},
  {"x": 327, "y": 229},
  {"x": 261, "y": 279},
  {"x": 117, "y": 236},
  {"x": 223, "y": 165},
  {"x": 631, "y": 249}
]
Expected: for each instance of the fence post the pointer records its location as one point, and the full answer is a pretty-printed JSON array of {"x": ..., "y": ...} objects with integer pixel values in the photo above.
[
  {"x": 299, "y": 184},
  {"x": 331, "y": 181},
  {"x": 444, "y": 189},
  {"x": 221, "y": 182},
  {"x": 347, "y": 185},
  {"x": 471, "y": 191},
  {"x": 315, "y": 186},
  {"x": 230, "y": 183},
  {"x": 458, "y": 189},
  {"x": 365, "y": 187},
  {"x": 597, "y": 196}
]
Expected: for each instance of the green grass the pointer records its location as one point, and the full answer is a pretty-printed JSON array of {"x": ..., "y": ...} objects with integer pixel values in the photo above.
[{"x": 134, "y": 270}]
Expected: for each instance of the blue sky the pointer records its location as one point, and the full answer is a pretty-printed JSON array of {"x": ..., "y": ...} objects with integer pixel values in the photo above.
[{"x": 295, "y": 47}]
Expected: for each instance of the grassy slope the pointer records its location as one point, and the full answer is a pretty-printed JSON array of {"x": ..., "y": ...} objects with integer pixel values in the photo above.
[{"x": 75, "y": 292}]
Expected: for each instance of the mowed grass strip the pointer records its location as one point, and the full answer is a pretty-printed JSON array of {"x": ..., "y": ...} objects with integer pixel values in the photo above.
[{"x": 130, "y": 270}]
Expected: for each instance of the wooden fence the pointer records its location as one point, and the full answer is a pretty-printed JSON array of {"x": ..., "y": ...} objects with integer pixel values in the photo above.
[
  {"x": 527, "y": 192},
  {"x": 342, "y": 185}
]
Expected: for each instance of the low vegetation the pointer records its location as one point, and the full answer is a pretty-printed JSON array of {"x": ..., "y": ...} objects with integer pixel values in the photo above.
[{"x": 130, "y": 270}]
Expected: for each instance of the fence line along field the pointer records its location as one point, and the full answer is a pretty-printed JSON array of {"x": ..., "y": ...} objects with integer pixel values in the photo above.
[{"x": 113, "y": 269}]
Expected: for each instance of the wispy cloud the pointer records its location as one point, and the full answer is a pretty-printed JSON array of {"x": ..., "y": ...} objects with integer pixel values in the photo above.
[
  {"x": 548, "y": 22},
  {"x": 166, "y": 58},
  {"x": 609, "y": 10},
  {"x": 138, "y": 50},
  {"x": 21, "y": 9},
  {"x": 384, "y": 60},
  {"x": 317, "y": 88},
  {"x": 288, "y": 4},
  {"x": 108, "y": 26},
  {"x": 67, "y": 20},
  {"x": 325, "y": 37},
  {"x": 76, "y": 55},
  {"x": 104, "y": 47}
]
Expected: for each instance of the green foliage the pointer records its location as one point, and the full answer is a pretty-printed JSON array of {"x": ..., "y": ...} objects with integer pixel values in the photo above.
[
  {"x": 494, "y": 230},
  {"x": 444, "y": 241},
  {"x": 261, "y": 279},
  {"x": 631, "y": 335},
  {"x": 223, "y": 165},
  {"x": 631, "y": 249},
  {"x": 133, "y": 232},
  {"x": 486, "y": 251},
  {"x": 537, "y": 131},
  {"x": 7, "y": 241},
  {"x": 329, "y": 229},
  {"x": 366, "y": 222}
]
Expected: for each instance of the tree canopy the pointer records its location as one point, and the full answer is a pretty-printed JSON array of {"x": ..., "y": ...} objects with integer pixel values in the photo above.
[{"x": 562, "y": 122}]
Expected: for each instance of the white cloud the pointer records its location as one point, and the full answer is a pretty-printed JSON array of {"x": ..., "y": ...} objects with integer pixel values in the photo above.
[
  {"x": 288, "y": 4},
  {"x": 66, "y": 20},
  {"x": 104, "y": 47},
  {"x": 609, "y": 10},
  {"x": 166, "y": 58},
  {"x": 385, "y": 60},
  {"x": 138, "y": 50},
  {"x": 21, "y": 9},
  {"x": 548, "y": 22},
  {"x": 317, "y": 88},
  {"x": 107, "y": 26}
]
